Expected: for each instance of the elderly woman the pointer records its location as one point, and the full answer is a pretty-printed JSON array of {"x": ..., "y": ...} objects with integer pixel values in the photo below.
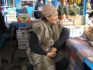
[{"x": 47, "y": 37}]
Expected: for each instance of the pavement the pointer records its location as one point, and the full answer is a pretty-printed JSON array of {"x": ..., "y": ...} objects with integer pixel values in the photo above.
[{"x": 12, "y": 58}]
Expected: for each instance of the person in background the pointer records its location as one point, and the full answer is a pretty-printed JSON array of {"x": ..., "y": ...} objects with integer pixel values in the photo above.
[
  {"x": 38, "y": 8},
  {"x": 39, "y": 5},
  {"x": 90, "y": 22},
  {"x": 24, "y": 10},
  {"x": 91, "y": 18},
  {"x": 88, "y": 30},
  {"x": 47, "y": 36},
  {"x": 4, "y": 33},
  {"x": 63, "y": 10}
]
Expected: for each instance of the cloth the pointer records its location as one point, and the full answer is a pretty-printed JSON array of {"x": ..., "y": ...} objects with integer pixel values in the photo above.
[{"x": 88, "y": 31}]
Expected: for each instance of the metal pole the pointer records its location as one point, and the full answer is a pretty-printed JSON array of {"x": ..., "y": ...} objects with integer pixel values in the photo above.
[
  {"x": 17, "y": 3},
  {"x": 3, "y": 2},
  {"x": 84, "y": 11},
  {"x": 84, "y": 7}
]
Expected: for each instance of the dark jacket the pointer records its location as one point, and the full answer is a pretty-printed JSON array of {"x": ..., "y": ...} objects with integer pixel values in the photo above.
[{"x": 2, "y": 23}]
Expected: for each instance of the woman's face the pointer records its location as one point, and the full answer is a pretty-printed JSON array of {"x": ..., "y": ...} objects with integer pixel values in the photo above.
[
  {"x": 52, "y": 19},
  {"x": 62, "y": 1}
]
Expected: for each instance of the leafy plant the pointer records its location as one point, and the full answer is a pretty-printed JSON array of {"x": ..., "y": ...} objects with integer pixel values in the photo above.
[{"x": 74, "y": 10}]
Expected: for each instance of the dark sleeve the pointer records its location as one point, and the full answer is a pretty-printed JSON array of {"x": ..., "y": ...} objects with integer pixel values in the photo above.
[
  {"x": 34, "y": 44},
  {"x": 2, "y": 23},
  {"x": 63, "y": 37}
]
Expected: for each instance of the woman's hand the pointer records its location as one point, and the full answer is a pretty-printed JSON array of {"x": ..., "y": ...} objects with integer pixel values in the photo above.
[{"x": 52, "y": 52}]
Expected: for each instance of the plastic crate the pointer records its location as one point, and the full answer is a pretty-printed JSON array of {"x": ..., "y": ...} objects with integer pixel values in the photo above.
[
  {"x": 22, "y": 25},
  {"x": 23, "y": 44},
  {"x": 22, "y": 34}
]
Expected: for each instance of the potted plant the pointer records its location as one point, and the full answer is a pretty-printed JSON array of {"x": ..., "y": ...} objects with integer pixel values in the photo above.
[
  {"x": 74, "y": 10},
  {"x": 74, "y": 13}
]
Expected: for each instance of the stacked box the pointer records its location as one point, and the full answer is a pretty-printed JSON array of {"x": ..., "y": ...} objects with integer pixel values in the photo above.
[
  {"x": 22, "y": 37},
  {"x": 22, "y": 34},
  {"x": 23, "y": 44}
]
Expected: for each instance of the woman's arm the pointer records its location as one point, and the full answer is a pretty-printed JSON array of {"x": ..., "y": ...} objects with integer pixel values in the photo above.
[
  {"x": 63, "y": 37},
  {"x": 34, "y": 44}
]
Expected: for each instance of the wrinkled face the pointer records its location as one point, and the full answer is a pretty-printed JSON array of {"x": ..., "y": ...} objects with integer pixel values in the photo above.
[{"x": 53, "y": 19}]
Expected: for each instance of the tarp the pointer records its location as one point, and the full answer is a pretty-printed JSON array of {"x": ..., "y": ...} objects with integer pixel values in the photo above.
[{"x": 27, "y": 0}]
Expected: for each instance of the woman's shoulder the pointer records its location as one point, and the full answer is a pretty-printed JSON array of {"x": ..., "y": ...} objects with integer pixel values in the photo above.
[
  {"x": 60, "y": 23},
  {"x": 37, "y": 24}
]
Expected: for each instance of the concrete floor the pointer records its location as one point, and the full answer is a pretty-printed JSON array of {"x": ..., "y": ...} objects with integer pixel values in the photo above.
[{"x": 12, "y": 58}]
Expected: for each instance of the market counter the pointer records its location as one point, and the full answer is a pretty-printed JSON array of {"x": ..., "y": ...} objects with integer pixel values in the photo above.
[{"x": 79, "y": 50}]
